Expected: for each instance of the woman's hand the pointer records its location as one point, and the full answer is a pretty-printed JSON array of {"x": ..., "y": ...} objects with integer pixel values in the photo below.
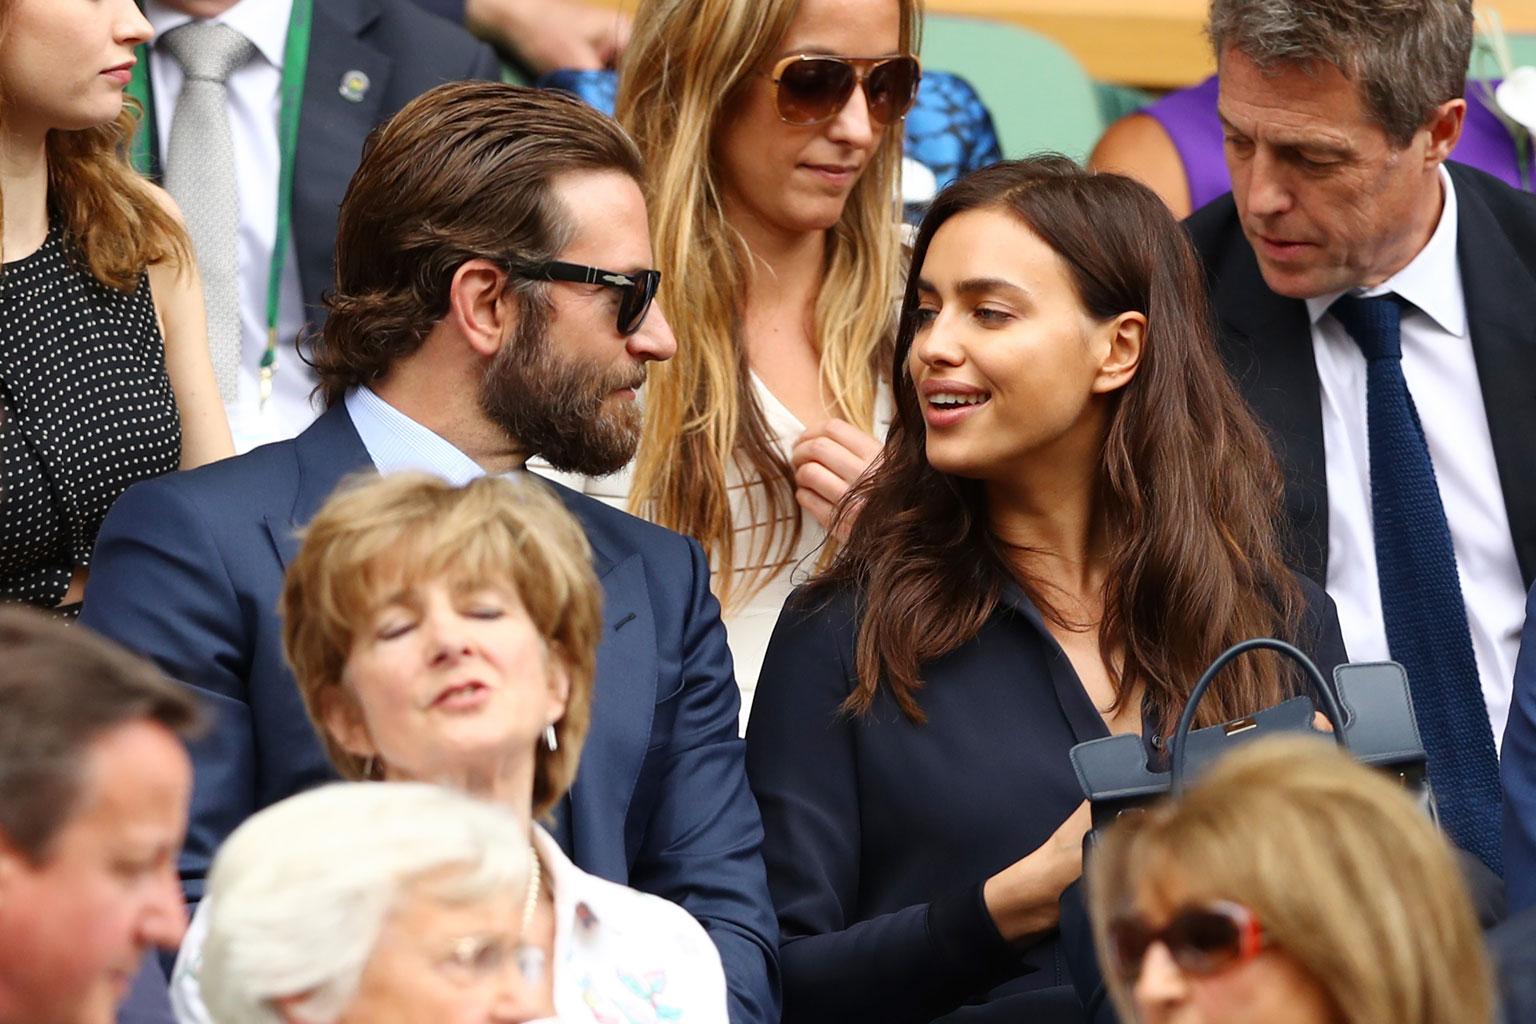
[
  {"x": 1024, "y": 898},
  {"x": 827, "y": 461}
]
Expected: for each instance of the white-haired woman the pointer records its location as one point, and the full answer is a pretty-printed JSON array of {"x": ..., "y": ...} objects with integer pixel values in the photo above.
[
  {"x": 368, "y": 903},
  {"x": 449, "y": 635}
]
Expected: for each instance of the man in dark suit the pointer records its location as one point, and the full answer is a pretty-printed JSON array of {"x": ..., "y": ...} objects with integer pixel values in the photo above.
[
  {"x": 366, "y": 59},
  {"x": 491, "y": 305},
  {"x": 1376, "y": 306}
]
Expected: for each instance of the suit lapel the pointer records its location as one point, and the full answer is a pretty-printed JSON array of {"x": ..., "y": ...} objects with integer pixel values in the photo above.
[
  {"x": 1501, "y": 316},
  {"x": 1267, "y": 344},
  {"x": 325, "y": 454},
  {"x": 623, "y": 707},
  {"x": 332, "y": 128}
]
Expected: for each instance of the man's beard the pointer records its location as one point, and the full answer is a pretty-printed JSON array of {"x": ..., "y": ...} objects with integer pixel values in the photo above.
[{"x": 559, "y": 409}]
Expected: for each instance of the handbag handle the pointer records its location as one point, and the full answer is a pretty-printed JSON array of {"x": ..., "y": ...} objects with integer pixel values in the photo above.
[{"x": 1325, "y": 694}]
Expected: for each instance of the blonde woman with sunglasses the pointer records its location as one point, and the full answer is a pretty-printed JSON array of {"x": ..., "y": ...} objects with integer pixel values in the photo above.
[
  {"x": 771, "y": 133},
  {"x": 1291, "y": 886}
]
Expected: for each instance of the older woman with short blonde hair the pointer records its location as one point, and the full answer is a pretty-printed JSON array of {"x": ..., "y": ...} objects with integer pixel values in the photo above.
[
  {"x": 448, "y": 635},
  {"x": 1291, "y": 886}
]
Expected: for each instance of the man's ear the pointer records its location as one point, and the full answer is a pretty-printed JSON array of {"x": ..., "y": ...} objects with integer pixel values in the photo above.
[
  {"x": 1121, "y": 344},
  {"x": 479, "y": 306},
  {"x": 1445, "y": 126},
  {"x": 343, "y": 721}
]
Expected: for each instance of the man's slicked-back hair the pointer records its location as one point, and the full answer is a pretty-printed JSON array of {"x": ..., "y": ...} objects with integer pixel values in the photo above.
[
  {"x": 62, "y": 687},
  {"x": 462, "y": 172},
  {"x": 1407, "y": 56}
]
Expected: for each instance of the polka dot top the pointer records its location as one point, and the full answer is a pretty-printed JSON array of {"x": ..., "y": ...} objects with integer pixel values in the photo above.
[{"x": 87, "y": 410}]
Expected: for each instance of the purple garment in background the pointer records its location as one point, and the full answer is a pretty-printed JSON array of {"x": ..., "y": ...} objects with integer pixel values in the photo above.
[{"x": 1189, "y": 118}]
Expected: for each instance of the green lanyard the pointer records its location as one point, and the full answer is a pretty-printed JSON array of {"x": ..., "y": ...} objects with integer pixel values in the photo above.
[{"x": 295, "y": 64}]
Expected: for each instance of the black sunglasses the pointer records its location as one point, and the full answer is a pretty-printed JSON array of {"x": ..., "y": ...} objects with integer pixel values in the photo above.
[
  {"x": 1203, "y": 939},
  {"x": 637, "y": 289},
  {"x": 813, "y": 88}
]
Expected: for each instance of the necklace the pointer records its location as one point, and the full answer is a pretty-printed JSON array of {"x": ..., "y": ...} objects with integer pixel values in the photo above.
[{"x": 530, "y": 957}]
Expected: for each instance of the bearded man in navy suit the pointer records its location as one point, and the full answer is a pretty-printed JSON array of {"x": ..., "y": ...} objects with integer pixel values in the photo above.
[{"x": 458, "y": 343}]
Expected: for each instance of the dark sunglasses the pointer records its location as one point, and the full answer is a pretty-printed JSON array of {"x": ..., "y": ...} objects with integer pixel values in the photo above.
[
  {"x": 636, "y": 290},
  {"x": 1204, "y": 939},
  {"x": 812, "y": 89}
]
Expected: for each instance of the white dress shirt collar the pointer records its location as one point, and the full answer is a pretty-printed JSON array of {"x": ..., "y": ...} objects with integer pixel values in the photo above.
[
  {"x": 1431, "y": 281},
  {"x": 263, "y": 22},
  {"x": 397, "y": 443}
]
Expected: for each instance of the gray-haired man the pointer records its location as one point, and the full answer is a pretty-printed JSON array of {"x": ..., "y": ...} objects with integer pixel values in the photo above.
[{"x": 1376, "y": 305}]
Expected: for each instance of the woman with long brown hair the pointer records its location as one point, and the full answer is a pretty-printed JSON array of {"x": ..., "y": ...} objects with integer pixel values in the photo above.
[
  {"x": 1072, "y": 516},
  {"x": 771, "y": 131},
  {"x": 105, "y": 376}
]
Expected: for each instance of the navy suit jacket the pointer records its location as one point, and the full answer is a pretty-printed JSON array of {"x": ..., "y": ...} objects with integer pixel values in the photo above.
[
  {"x": 188, "y": 569},
  {"x": 1518, "y": 771},
  {"x": 1266, "y": 340}
]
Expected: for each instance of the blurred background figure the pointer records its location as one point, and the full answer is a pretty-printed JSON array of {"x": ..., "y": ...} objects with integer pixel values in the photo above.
[
  {"x": 94, "y": 784},
  {"x": 1291, "y": 885},
  {"x": 1073, "y": 515},
  {"x": 104, "y": 370},
  {"x": 355, "y": 903},
  {"x": 771, "y": 136},
  {"x": 449, "y": 635},
  {"x": 259, "y": 152}
]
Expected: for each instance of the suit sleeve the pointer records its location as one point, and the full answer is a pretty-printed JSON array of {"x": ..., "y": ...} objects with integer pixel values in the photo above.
[
  {"x": 702, "y": 848},
  {"x": 1518, "y": 769},
  {"x": 911, "y": 965},
  {"x": 159, "y": 587}
]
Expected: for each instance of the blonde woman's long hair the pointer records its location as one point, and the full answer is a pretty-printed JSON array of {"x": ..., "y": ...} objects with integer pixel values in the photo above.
[
  {"x": 1348, "y": 878},
  {"x": 109, "y": 214},
  {"x": 685, "y": 66}
]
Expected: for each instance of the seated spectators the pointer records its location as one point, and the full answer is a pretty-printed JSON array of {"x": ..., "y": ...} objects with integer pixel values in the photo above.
[
  {"x": 104, "y": 371},
  {"x": 771, "y": 131},
  {"x": 471, "y": 329},
  {"x": 1073, "y": 515},
  {"x": 1291, "y": 885},
  {"x": 94, "y": 783},
  {"x": 449, "y": 635},
  {"x": 359, "y": 904}
]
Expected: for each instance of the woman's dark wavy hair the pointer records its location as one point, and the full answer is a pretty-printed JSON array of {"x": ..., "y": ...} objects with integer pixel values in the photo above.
[
  {"x": 462, "y": 172},
  {"x": 1189, "y": 489}
]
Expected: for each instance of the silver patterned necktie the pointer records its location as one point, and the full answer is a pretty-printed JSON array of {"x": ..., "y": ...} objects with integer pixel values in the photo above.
[{"x": 200, "y": 176}]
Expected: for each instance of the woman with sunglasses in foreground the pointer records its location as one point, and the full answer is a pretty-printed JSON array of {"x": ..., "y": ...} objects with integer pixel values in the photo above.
[
  {"x": 449, "y": 635},
  {"x": 771, "y": 134},
  {"x": 1073, "y": 515},
  {"x": 1290, "y": 886}
]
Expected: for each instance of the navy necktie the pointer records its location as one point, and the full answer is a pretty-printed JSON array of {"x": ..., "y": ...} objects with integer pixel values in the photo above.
[{"x": 1421, "y": 600}]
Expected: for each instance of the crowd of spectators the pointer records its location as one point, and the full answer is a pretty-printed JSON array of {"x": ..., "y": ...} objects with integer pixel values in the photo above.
[{"x": 697, "y": 579}]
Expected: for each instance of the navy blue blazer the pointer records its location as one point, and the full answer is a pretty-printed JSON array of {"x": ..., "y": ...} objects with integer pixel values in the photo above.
[
  {"x": 188, "y": 569},
  {"x": 882, "y": 833},
  {"x": 1518, "y": 773}
]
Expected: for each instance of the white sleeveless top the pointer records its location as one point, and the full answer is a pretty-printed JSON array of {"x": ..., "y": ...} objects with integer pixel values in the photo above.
[{"x": 749, "y": 623}]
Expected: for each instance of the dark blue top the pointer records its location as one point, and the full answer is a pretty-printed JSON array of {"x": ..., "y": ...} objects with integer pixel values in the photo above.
[{"x": 880, "y": 833}]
